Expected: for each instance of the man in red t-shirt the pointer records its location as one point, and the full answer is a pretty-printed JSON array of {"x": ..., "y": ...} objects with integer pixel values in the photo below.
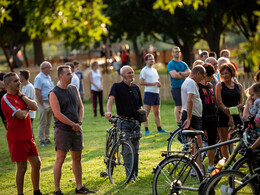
[{"x": 16, "y": 108}]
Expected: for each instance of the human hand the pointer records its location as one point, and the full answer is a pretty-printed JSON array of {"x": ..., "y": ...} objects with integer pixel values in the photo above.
[
  {"x": 108, "y": 115},
  {"x": 231, "y": 122},
  {"x": 158, "y": 84},
  {"x": 76, "y": 127},
  {"x": 186, "y": 124}
]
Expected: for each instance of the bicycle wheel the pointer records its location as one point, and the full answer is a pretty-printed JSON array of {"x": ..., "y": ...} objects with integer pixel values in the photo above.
[
  {"x": 173, "y": 141},
  {"x": 176, "y": 175},
  {"x": 227, "y": 182},
  {"x": 121, "y": 163},
  {"x": 232, "y": 146},
  {"x": 245, "y": 162},
  {"x": 110, "y": 142}
]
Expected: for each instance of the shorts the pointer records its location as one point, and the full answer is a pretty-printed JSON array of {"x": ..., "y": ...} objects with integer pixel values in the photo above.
[
  {"x": 196, "y": 122},
  {"x": 20, "y": 151},
  {"x": 223, "y": 119},
  {"x": 68, "y": 140},
  {"x": 151, "y": 99},
  {"x": 176, "y": 95}
]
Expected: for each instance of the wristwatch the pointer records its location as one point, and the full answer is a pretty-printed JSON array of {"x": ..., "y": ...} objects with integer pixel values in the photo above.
[
  {"x": 80, "y": 123},
  {"x": 21, "y": 96}
]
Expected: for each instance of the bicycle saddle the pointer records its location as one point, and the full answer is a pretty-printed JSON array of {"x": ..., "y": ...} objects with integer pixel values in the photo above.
[{"x": 192, "y": 133}]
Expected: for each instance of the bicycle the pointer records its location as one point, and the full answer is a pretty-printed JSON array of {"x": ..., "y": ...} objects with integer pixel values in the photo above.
[
  {"x": 236, "y": 182},
  {"x": 120, "y": 155},
  {"x": 172, "y": 174}
]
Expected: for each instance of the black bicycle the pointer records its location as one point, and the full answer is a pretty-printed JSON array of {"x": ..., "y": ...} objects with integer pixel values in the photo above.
[{"x": 119, "y": 155}]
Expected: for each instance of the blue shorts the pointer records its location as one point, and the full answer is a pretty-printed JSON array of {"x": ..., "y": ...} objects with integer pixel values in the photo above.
[
  {"x": 176, "y": 95},
  {"x": 151, "y": 99}
]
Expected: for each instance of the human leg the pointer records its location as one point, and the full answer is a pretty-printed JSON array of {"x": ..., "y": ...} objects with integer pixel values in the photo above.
[
  {"x": 60, "y": 157},
  {"x": 35, "y": 171},
  {"x": 21, "y": 168},
  {"x": 223, "y": 135},
  {"x": 176, "y": 94},
  {"x": 147, "y": 109},
  {"x": 41, "y": 128},
  {"x": 94, "y": 101},
  {"x": 77, "y": 168},
  {"x": 100, "y": 99},
  {"x": 156, "y": 112},
  {"x": 177, "y": 112},
  {"x": 48, "y": 124}
]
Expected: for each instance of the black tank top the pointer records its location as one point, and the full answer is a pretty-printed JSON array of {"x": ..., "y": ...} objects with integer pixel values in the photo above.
[
  {"x": 68, "y": 99},
  {"x": 230, "y": 97},
  {"x": 207, "y": 98}
]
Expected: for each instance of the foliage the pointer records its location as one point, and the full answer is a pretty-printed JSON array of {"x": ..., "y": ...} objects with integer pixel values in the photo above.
[{"x": 4, "y": 13}]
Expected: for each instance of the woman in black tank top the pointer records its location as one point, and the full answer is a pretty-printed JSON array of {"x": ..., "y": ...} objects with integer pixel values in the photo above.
[{"x": 229, "y": 94}]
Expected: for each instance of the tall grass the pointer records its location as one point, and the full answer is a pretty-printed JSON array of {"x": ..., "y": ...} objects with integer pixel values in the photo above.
[{"x": 92, "y": 158}]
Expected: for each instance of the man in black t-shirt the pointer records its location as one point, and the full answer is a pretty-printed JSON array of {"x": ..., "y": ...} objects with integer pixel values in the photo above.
[{"x": 128, "y": 99}]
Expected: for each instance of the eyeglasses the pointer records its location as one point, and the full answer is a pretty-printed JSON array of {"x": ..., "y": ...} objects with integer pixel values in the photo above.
[{"x": 176, "y": 51}]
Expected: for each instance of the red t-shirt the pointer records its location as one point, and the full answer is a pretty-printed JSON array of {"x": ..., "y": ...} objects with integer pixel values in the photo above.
[
  {"x": 234, "y": 64},
  {"x": 124, "y": 57},
  {"x": 17, "y": 129}
]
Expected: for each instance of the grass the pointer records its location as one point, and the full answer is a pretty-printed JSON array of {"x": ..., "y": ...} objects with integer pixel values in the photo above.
[{"x": 92, "y": 158}]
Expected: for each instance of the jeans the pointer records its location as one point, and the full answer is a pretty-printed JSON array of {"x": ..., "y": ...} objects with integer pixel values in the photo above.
[{"x": 128, "y": 127}]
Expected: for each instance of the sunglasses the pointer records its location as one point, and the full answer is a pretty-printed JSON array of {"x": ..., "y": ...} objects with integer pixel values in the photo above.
[{"x": 176, "y": 51}]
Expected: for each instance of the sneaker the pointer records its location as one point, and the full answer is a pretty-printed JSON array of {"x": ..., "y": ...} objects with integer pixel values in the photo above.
[
  {"x": 147, "y": 132},
  {"x": 210, "y": 169},
  {"x": 162, "y": 131},
  {"x": 84, "y": 190},
  {"x": 42, "y": 143},
  {"x": 57, "y": 193},
  {"x": 47, "y": 142}
]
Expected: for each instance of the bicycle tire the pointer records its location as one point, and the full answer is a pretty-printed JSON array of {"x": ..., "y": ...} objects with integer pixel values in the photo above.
[
  {"x": 110, "y": 142},
  {"x": 165, "y": 179},
  {"x": 226, "y": 181},
  {"x": 232, "y": 146},
  {"x": 117, "y": 165},
  {"x": 173, "y": 139},
  {"x": 242, "y": 164}
]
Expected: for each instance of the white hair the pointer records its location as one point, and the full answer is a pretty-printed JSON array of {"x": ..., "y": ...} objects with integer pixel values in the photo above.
[
  {"x": 44, "y": 64},
  {"x": 223, "y": 60},
  {"x": 122, "y": 70}
]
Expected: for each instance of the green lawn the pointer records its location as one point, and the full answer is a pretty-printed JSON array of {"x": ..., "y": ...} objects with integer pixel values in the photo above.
[{"x": 92, "y": 158}]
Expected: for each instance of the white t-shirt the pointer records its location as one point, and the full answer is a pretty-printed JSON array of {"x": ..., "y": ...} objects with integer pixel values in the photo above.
[
  {"x": 189, "y": 87},
  {"x": 29, "y": 92},
  {"x": 75, "y": 80},
  {"x": 96, "y": 77},
  {"x": 150, "y": 75}
]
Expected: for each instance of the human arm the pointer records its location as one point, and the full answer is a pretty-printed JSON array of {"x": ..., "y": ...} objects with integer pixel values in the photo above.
[
  {"x": 80, "y": 108},
  {"x": 174, "y": 74},
  {"x": 110, "y": 102},
  {"x": 186, "y": 123},
  {"x": 246, "y": 112},
  {"x": 55, "y": 106},
  {"x": 241, "y": 100},
  {"x": 39, "y": 96},
  {"x": 143, "y": 82}
]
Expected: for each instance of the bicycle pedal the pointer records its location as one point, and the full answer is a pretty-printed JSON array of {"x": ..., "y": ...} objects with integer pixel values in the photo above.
[{"x": 103, "y": 174}]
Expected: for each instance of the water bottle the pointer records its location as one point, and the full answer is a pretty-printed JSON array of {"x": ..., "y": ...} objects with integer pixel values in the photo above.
[{"x": 219, "y": 166}]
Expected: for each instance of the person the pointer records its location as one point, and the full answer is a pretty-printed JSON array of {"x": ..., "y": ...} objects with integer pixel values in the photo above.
[
  {"x": 209, "y": 116},
  {"x": 197, "y": 62},
  {"x": 216, "y": 79},
  {"x": 123, "y": 93},
  {"x": 2, "y": 93},
  {"x": 226, "y": 53},
  {"x": 75, "y": 79},
  {"x": 80, "y": 76},
  {"x": 178, "y": 71},
  {"x": 192, "y": 104},
  {"x": 28, "y": 90},
  {"x": 16, "y": 107},
  {"x": 249, "y": 101},
  {"x": 213, "y": 54},
  {"x": 204, "y": 55},
  {"x": 68, "y": 113},
  {"x": 96, "y": 81},
  {"x": 150, "y": 79},
  {"x": 115, "y": 64},
  {"x": 254, "y": 106},
  {"x": 43, "y": 85},
  {"x": 124, "y": 56},
  {"x": 229, "y": 95}
]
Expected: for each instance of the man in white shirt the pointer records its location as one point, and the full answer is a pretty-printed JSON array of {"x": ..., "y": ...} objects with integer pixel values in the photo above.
[
  {"x": 150, "y": 79},
  {"x": 28, "y": 90},
  {"x": 75, "y": 79}
]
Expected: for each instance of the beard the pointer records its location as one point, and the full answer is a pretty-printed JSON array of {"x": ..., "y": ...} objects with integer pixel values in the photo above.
[{"x": 129, "y": 80}]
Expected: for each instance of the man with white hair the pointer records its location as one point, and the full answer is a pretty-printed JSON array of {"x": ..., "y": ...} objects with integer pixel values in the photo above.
[
  {"x": 128, "y": 99},
  {"x": 43, "y": 85}
]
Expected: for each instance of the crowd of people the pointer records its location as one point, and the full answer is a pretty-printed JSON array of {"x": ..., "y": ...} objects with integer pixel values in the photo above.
[{"x": 207, "y": 97}]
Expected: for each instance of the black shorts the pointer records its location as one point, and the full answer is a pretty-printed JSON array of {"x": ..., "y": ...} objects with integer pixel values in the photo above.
[
  {"x": 223, "y": 119},
  {"x": 68, "y": 140},
  {"x": 196, "y": 122}
]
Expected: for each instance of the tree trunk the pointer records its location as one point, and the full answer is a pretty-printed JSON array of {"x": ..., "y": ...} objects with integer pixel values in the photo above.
[
  {"x": 213, "y": 41},
  {"x": 138, "y": 63},
  {"x": 187, "y": 53},
  {"x": 38, "y": 51},
  {"x": 25, "y": 56},
  {"x": 7, "y": 57}
]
